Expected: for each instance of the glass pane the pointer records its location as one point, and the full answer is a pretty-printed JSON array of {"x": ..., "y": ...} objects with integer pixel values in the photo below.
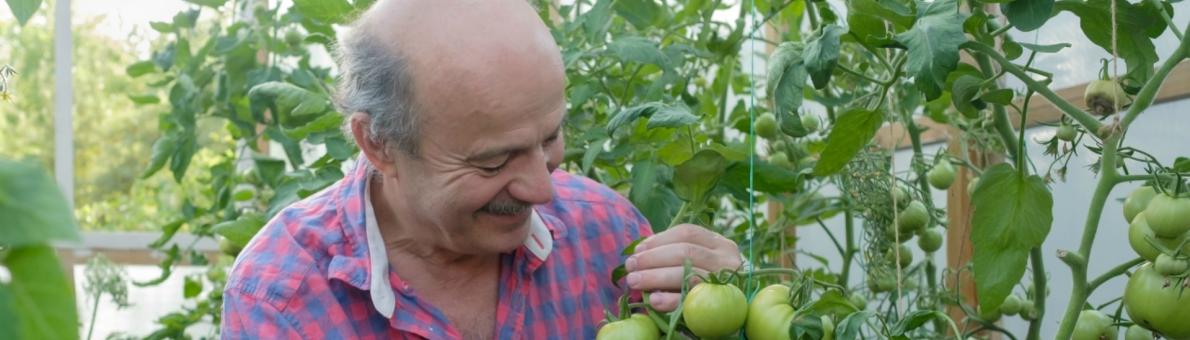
[{"x": 26, "y": 101}]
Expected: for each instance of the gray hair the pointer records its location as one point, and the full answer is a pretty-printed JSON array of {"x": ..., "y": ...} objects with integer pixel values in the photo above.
[{"x": 374, "y": 78}]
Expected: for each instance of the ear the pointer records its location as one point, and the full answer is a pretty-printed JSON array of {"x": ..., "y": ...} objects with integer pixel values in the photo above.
[{"x": 376, "y": 152}]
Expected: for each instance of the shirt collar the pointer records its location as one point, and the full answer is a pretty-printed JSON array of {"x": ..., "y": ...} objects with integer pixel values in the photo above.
[{"x": 539, "y": 243}]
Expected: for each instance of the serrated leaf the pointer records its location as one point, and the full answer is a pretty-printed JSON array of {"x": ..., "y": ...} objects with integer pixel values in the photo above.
[
  {"x": 933, "y": 44},
  {"x": 42, "y": 298},
  {"x": 672, "y": 116},
  {"x": 638, "y": 50},
  {"x": 241, "y": 230},
  {"x": 850, "y": 327},
  {"x": 34, "y": 210},
  {"x": 640, "y": 13},
  {"x": 1138, "y": 24},
  {"x": 822, "y": 52},
  {"x": 786, "y": 78},
  {"x": 1028, "y": 15},
  {"x": 1012, "y": 215},
  {"x": 23, "y": 9},
  {"x": 327, "y": 11},
  {"x": 852, "y": 131}
]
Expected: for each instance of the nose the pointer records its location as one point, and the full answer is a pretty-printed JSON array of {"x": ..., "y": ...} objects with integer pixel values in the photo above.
[{"x": 533, "y": 183}]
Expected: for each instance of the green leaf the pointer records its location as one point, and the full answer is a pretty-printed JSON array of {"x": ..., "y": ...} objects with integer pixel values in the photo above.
[
  {"x": 1054, "y": 48},
  {"x": 1028, "y": 15},
  {"x": 269, "y": 169},
  {"x": 292, "y": 103},
  {"x": 1181, "y": 164},
  {"x": 162, "y": 27},
  {"x": 167, "y": 233},
  {"x": 934, "y": 46},
  {"x": 915, "y": 320},
  {"x": 998, "y": 96},
  {"x": 696, "y": 177},
  {"x": 166, "y": 265},
  {"x": 641, "y": 13},
  {"x": 765, "y": 177},
  {"x": 786, "y": 77},
  {"x": 180, "y": 162},
  {"x": 672, "y": 116},
  {"x": 9, "y": 320},
  {"x": 891, "y": 11},
  {"x": 644, "y": 176},
  {"x": 850, "y": 327},
  {"x": 327, "y": 11},
  {"x": 145, "y": 98},
  {"x": 23, "y": 9},
  {"x": 141, "y": 68},
  {"x": 163, "y": 149},
  {"x": 1012, "y": 215},
  {"x": 209, "y": 3},
  {"x": 638, "y": 50},
  {"x": 34, "y": 210},
  {"x": 832, "y": 302},
  {"x": 964, "y": 95},
  {"x": 329, "y": 121},
  {"x": 191, "y": 286},
  {"x": 41, "y": 296},
  {"x": 1138, "y": 24},
  {"x": 241, "y": 230},
  {"x": 853, "y": 130},
  {"x": 822, "y": 52}
]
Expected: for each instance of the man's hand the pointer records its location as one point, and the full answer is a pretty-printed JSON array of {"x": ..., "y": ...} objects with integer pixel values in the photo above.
[{"x": 657, "y": 265}]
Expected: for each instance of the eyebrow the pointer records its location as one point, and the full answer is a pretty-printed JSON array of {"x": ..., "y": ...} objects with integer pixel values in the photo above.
[{"x": 510, "y": 149}]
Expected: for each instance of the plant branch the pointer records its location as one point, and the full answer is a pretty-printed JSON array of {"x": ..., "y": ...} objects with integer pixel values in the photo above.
[
  {"x": 1148, "y": 93},
  {"x": 1038, "y": 263},
  {"x": 1084, "y": 118},
  {"x": 1117, "y": 271}
]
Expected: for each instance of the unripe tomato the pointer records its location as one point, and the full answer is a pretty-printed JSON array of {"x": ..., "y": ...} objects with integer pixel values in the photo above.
[
  {"x": 781, "y": 160},
  {"x": 1168, "y": 265},
  {"x": 1139, "y": 233},
  {"x": 913, "y": 218},
  {"x": 901, "y": 196},
  {"x": 1094, "y": 325},
  {"x": 1137, "y": 201},
  {"x": 1169, "y": 217},
  {"x": 810, "y": 122},
  {"x": 1105, "y": 96},
  {"x": 766, "y": 126},
  {"x": 941, "y": 176},
  {"x": 859, "y": 301},
  {"x": 1011, "y": 305},
  {"x": 714, "y": 310},
  {"x": 770, "y": 314},
  {"x": 1136, "y": 332},
  {"x": 930, "y": 240},
  {"x": 906, "y": 255},
  {"x": 638, "y": 326},
  {"x": 1066, "y": 132},
  {"x": 1157, "y": 303}
]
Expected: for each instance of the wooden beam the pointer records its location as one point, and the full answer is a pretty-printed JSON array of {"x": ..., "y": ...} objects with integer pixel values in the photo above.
[{"x": 1177, "y": 86}]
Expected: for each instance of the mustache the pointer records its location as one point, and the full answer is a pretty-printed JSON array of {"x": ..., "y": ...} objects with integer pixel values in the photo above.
[{"x": 506, "y": 207}]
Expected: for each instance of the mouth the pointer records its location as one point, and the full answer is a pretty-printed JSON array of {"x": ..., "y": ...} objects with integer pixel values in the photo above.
[{"x": 509, "y": 219}]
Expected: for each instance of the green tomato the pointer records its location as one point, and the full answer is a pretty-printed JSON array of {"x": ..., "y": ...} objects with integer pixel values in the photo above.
[
  {"x": 1066, "y": 132},
  {"x": 990, "y": 315},
  {"x": 913, "y": 218},
  {"x": 1028, "y": 310},
  {"x": 1157, "y": 303},
  {"x": 1138, "y": 234},
  {"x": 1136, "y": 332},
  {"x": 293, "y": 37},
  {"x": 941, "y": 176},
  {"x": 859, "y": 301},
  {"x": 766, "y": 126},
  {"x": 1011, "y": 305},
  {"x": 906, "y": 255},
  {"x": 781, "y": 160},
  {"x": 229, "y": 248},
  {"x": 901, "y": 196},
  {"x": 1104, "y": 96},
  {"x": 1137, "y": 201},
  {"x": 810, "y": 122},
  {"x": 1167, "y": 265},
  {"x": 1169, "y": 217},
  {"x": 1094, "y": 325},
  {"x": 930, "y": 240},
  {"x": 770, "y": 314},
  {"x": 714, "y": 310},
  {"x": 881, "y": 283},
  {"x": 638, "y": 326}
]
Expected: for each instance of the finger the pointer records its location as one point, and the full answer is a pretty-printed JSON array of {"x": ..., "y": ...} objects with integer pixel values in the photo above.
[
  {"x": 664, "y": 301},
  {"x": 687, "y": 233},
  {"x": 674, "y": 255},
  {"x": 668, "y": 278}
]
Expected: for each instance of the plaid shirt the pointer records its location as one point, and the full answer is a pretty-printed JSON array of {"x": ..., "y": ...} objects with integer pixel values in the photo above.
[{"x": 310, "y": 272}]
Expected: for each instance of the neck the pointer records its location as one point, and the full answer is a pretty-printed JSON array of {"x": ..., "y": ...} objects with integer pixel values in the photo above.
[{"x": 418, "y": 247}]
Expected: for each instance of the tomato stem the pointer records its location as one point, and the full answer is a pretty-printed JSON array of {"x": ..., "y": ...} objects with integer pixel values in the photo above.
[
  {"x": 1089, "y": 122},
  {"x": 1114, "y": 272}
]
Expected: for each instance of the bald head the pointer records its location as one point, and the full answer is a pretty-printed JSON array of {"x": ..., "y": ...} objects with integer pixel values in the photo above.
[{"x": 409, "y": 61}]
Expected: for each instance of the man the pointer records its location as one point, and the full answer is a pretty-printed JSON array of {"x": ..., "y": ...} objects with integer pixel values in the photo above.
[{"x": 454, "y": 222}]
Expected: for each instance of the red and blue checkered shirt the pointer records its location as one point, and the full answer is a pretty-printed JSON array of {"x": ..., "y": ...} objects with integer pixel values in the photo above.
[{"x": 309, "y": 273}]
